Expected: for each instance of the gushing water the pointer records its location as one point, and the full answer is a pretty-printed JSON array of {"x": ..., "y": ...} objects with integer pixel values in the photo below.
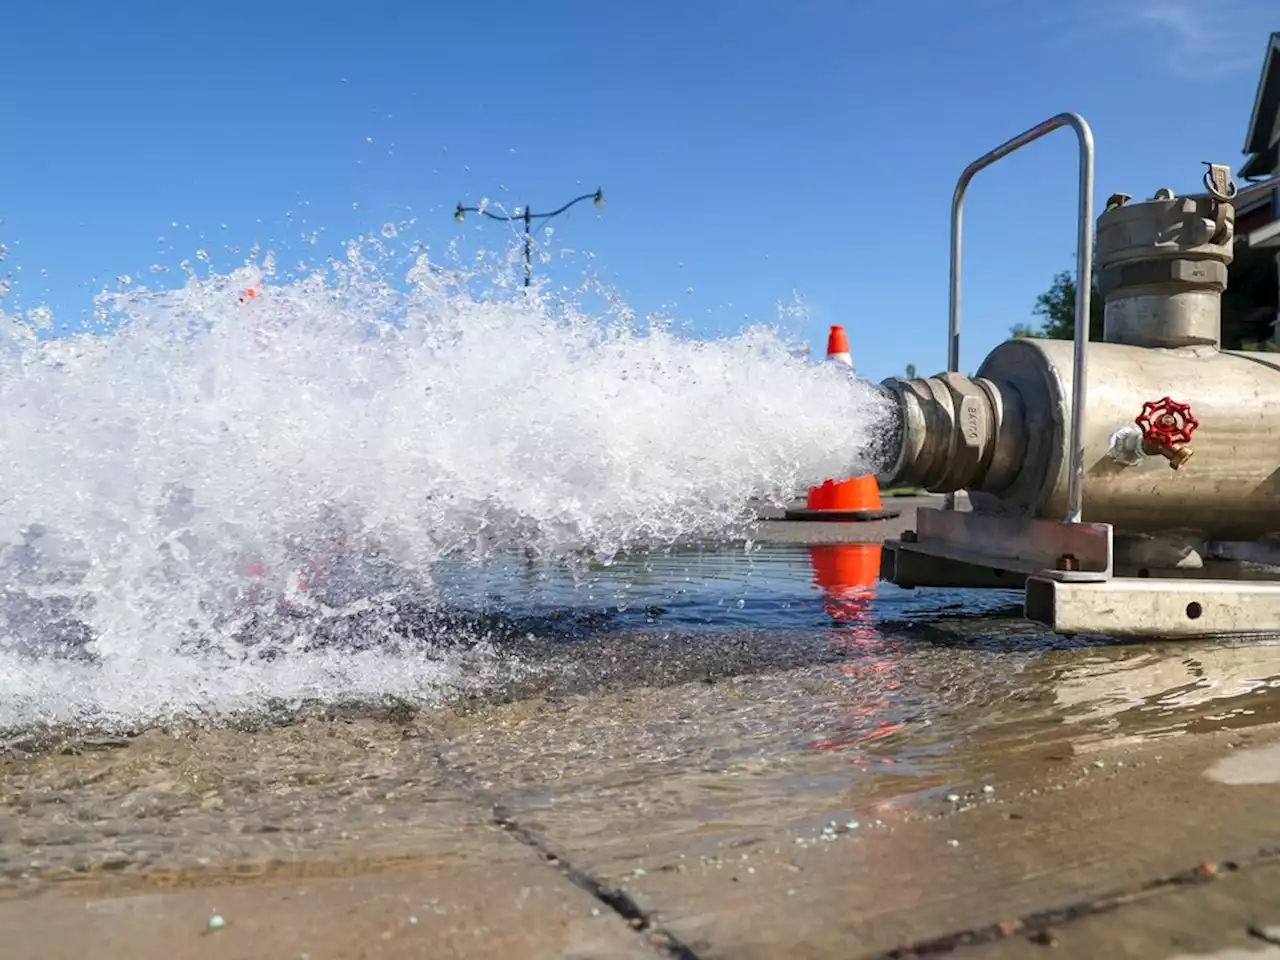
[{"x": 216, "y": 479}]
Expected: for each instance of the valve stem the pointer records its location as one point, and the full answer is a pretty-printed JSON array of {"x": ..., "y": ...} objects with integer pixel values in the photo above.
[{"x": 1176, "y": 456}]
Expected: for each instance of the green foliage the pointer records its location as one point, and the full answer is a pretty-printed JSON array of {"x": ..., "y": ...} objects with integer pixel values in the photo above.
[
  {"x": 911, "y": 371},
  {"x": 1057, "y": 309}
]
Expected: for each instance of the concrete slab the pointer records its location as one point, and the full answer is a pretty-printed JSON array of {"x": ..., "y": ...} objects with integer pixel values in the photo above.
[
  {"x": 789, "y": 889},
  {"x": 756, "y": 859},
  {"x": 501, "y": 911},
  {"x": 325, "y": 839},
  {"x": 230, "y": 804},
  {"x": 700, "y": 820},
  {"x": 1231, "y": 915}
]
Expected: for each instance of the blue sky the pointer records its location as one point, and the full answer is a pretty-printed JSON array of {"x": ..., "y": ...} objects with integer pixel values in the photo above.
[{"x": 752, "y": 151}]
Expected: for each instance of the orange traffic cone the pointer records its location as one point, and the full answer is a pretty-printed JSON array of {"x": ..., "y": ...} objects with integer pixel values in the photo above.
[
  {"x": 855, "y": 499},
  {"x": 838, "y": 347}
]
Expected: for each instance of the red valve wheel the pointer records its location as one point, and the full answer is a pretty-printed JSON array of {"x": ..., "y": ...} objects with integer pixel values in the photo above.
[{"x": 1166, "y": 422}]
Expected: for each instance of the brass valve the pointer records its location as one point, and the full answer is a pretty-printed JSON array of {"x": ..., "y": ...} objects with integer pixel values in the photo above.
[{"x": 1166, "y": 427}]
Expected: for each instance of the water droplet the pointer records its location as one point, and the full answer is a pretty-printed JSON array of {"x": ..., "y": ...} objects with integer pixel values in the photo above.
[
  {"x": 4, "y": 252},
  {"x": 40, "y": 317},
  {"x": 389, "y": 230}
]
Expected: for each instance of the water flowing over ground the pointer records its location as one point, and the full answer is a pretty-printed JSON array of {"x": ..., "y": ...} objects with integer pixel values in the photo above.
[{"x": 235, "y": 494}]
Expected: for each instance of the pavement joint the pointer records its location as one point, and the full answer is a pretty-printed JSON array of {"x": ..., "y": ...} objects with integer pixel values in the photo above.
[
  {"x": 616, "y": 900},
  {"x": 665, "y": 943},
  {"x": 1040, "y": 926}
]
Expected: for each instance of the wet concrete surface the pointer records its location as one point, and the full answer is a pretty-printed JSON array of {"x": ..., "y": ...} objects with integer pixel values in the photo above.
[
  {"x": 1213, "y": 912},
  {"x": 907, "y": 780}
]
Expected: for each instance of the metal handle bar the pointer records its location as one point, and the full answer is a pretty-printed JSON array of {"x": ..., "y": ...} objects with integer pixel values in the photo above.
[{"x": 1084, "y": 286}]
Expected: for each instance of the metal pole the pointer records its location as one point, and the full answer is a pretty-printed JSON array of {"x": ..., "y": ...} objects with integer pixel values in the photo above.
[
  {"x": 1084, "y": 286},
  {"x": 1084, "y": 292},
  {"x": 528, "y": 216},
  {"x": 528, "y": 246}
]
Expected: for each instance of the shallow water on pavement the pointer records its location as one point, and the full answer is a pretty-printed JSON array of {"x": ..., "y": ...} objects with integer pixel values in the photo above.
[
  {"x": 703, "y": 684},
  {"x": 778, "y": 586}
]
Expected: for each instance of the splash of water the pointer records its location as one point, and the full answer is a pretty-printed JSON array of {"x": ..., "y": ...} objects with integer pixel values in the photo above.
[{"x": 231, "y": 466}]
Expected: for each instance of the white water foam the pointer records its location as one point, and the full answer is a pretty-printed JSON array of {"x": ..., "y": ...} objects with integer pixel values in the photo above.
[{"x": 168, "y": 477}]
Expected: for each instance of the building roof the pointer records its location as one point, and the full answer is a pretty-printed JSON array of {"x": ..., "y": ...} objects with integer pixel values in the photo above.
[
  {"x": 1251, "y": 196},
  {"x": 1262, "y": 141}
]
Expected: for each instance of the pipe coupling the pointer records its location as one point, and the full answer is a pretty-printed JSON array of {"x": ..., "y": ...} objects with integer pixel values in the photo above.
[{"x": 954, "y": 433}]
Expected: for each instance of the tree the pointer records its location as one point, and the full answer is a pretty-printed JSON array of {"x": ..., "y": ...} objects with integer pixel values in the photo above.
[
  {"x": 911, "y": 371},
  {"x": 1057, "y": 308}
]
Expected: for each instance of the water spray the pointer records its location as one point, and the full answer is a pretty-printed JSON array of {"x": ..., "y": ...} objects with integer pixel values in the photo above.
[{"x": 224, "y": 500}]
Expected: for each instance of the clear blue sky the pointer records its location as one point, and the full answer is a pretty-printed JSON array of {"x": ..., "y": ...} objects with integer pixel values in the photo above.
[{"x": 751, "y": 150}]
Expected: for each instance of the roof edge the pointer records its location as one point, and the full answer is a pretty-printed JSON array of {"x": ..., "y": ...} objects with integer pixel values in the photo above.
[{"x": 1270, "y": 63}]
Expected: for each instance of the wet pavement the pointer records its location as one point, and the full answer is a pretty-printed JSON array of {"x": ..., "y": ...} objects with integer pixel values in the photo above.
[{"x": 830, "y": 769}]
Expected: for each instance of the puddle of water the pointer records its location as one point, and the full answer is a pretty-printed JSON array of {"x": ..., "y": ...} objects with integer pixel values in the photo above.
[
  {"x": 772, "y": 586},
  {"x": 911, "y": 674},
  {"x": 825, "y": 683},
  {"x": 903, "y": 678}
]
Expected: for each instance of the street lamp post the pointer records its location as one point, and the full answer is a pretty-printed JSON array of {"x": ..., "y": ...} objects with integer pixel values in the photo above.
[{"x": 528, "y": 217}]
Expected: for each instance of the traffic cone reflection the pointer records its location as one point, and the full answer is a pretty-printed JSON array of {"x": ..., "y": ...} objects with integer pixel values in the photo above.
[{"x": 847, "y": 574}]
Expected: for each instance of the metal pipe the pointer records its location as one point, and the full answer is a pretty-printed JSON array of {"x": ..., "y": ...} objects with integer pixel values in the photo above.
[
  {"x": 1084, "y": 284},
  {"x": 1004, "y": 436},
  {"x": 1163, "y": 264}
]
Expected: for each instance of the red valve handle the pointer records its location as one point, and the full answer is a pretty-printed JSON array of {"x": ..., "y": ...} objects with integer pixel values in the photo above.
[{"x": 1166, "y": 422}]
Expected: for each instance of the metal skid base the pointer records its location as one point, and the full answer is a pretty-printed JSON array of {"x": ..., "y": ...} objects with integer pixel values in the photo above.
[{"x": 1067, "y": 573}]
